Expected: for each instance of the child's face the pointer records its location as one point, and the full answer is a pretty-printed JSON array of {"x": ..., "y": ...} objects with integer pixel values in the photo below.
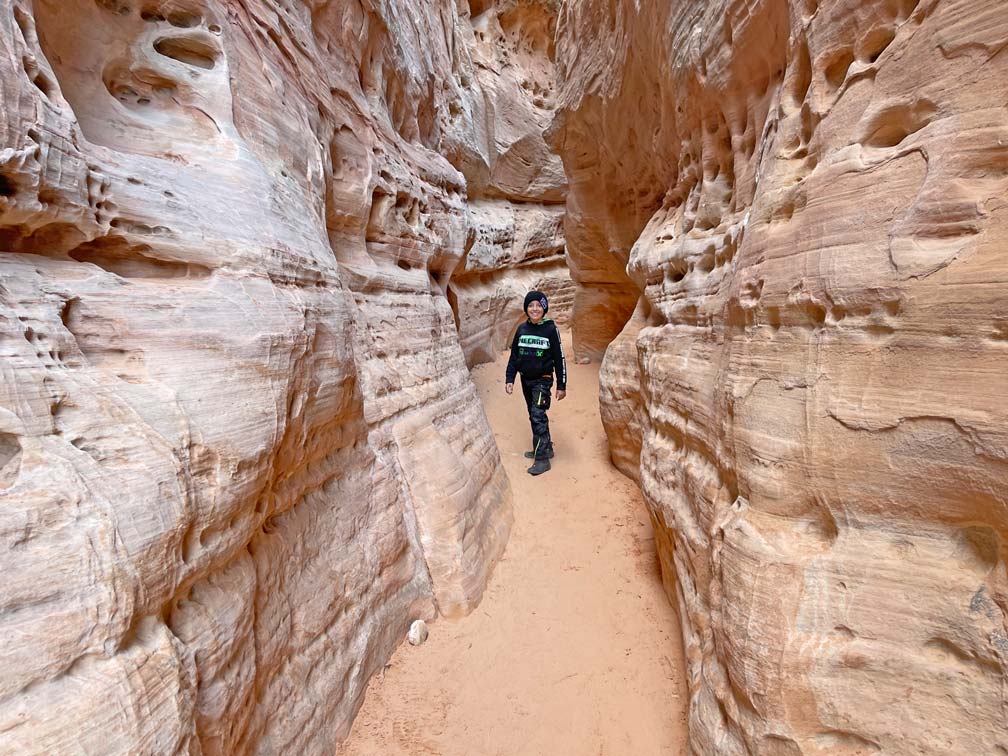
[{"x": 535, "y": 312}]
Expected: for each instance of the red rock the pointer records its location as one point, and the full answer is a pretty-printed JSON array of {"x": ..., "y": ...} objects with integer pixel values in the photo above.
[
  {"x": 239, "y": 447},
  {"x": 807, "y": 199}
]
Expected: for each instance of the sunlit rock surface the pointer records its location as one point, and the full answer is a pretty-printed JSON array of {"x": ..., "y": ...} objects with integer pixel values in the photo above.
[
  {"x": 807, "y": 201},
  {"x": 239, "y": 447}
]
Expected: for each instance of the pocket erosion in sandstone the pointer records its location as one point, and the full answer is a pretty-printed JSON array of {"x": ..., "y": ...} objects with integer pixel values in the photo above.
[
  {"x": 799, "y": 209},
  {"x": 239, "y": 447},
  {"x": 247, "y": 252}
]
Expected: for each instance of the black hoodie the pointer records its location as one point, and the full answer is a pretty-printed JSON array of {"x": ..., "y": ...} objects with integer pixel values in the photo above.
[{"x": 536, "y": 353}]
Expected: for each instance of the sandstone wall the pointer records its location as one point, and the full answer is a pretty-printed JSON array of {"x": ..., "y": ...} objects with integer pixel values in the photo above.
[
  {"x": 239, "y": 447},
  {"x": 516, "y": 195},
  {"x": 806, "y": 200}
]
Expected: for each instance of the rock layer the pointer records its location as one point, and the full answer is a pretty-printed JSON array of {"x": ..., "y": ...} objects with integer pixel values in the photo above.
[
  {"x": 516, "y": 197},
  {"x": 512, "y": 250},
  {"x": 806, "y": 201},
  {"x": 239, "y": 446}
]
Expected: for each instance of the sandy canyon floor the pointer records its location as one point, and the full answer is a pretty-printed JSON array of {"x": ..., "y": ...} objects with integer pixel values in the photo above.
[{"x": 575, "y": 648}]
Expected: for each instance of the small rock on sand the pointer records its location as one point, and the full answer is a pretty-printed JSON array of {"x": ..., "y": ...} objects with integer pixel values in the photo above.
[{"x": 417, "y": 632}]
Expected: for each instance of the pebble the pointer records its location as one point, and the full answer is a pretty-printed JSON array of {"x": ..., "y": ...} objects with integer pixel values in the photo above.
[{"x": 417, "y": 632}]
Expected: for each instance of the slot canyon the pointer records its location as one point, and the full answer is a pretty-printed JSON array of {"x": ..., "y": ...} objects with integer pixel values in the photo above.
[{"x": 260, "y": 265}]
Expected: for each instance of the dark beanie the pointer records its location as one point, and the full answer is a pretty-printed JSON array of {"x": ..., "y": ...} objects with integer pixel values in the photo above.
[{"x": 533, "y": 296}]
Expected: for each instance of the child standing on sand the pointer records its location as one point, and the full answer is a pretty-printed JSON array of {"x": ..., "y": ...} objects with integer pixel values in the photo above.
[{"x": 536, "y": 353}]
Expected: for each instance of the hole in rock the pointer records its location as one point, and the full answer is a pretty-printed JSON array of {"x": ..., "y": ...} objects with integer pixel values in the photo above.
[
  {"x": 478, "y": 7},
  {"x": 24, "y": 22},
  {"x": 192, "y": 52},
  {"x": 67, "y": 312},
  {"x": 894, "y": 124},
  {"x": 132, "y": 91},
  {"x": 875, "y": 43},
  {"x": 7, "y": 187},
  {"x": 115, "y": 6},
  {"x": 880, "y": 329},
  {"x": 677, "y": 270},
  {"x": 50, "y": 240},
  {"x": 802, "y": 77},
  {"x": 836, "y": 71},
  {"x": 809, "y": 121},
  {"x": 184, "y": 19},
  {"x": 118, "y": 256},
  {"x": 135, "y": 227},
  {"x": 980, "y": 548},
  {"x": 10, "y": 459},
  {"x": 381, "y": 202},
  {"x": 706, "y": 262},
  {"x": 37, "y": 77}
]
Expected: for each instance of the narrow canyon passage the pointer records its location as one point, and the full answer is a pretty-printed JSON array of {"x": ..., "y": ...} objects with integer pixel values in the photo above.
[{"x": 575, "y": 648}]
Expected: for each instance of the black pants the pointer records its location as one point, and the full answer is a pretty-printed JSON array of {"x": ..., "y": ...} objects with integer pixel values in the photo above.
[{"x": 537, "y": 397}]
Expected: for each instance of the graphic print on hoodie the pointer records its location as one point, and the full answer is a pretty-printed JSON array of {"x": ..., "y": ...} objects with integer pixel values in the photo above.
[{"x": 536, "y": 352}]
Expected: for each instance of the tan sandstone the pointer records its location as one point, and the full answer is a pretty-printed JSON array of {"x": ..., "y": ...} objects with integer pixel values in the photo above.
[
  {"x": 516, "y": 197},
  {"x": 800, "y": 207},
  {"x": 239, "y": 447},
  {"x": 247, "y": 251}
]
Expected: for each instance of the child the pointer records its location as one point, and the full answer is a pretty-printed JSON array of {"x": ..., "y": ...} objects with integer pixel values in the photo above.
[{"x": 536, "y": 354}]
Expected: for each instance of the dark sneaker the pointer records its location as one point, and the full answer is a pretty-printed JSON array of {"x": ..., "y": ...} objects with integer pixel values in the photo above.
[
  {"x": 531, "y": 454},
  {"x": 539, "y": 467}
]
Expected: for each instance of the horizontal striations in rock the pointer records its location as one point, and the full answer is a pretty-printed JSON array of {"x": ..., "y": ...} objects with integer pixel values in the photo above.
[
  {"x": 512, "y": 249},
  {"x": 806, "y": 201},
  {"x": 516, "y": 189},
  {"x": 239, "y": 447}
]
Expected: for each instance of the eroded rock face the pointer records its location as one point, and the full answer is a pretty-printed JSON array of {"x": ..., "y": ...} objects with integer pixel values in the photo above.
[
  {"x": 513, "y": 249},
  {"x": 809, "y": 199},
  {"x": 516, "y": 194},
  {"x": 239, "y": 447}
]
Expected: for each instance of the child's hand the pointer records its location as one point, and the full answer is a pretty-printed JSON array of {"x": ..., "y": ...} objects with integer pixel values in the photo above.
[
  {"x": 561, "y": 393},
  {"x": 508, "y": 387}
]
